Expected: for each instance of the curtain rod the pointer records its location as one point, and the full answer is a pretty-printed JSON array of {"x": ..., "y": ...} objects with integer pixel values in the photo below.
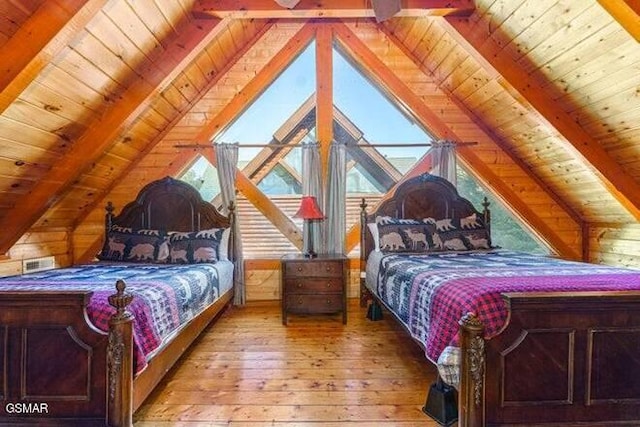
[{"x": 280, "y": 146}]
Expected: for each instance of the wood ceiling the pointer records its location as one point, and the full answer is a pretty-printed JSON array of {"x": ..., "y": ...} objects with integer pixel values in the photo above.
[{"x": 95, "y": 96}]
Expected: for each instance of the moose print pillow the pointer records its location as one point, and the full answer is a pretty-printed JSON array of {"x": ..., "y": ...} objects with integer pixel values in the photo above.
[{"x": 405, "y": 235}]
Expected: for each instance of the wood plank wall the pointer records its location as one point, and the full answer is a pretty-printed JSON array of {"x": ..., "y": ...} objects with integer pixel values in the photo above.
[{"x": 36, "y": 244}]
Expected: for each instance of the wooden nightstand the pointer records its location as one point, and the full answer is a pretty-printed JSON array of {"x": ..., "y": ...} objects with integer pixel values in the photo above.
[{"x": 314, "y": 285}]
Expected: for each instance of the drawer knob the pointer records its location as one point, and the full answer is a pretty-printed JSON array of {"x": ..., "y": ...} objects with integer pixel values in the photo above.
[
  {"x": 328, "y": 301},
  {"x": 328, "y": 268},
  {"x": 328, "y": 284},
  {"x": 299, "y": 285},
  {"x": 299, "y": 268},
  {"x": 300, "y": 301}
]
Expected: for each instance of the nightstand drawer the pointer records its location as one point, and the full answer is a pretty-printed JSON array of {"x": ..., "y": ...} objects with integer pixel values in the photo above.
[
  {"x": 303, "y": 285},
  {"x": 329, "y": 303},
  {"x": 313, "y": 269}
]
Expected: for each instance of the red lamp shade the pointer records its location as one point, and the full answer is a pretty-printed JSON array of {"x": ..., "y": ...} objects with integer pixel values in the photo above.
[{"x": 309, "y": 209}]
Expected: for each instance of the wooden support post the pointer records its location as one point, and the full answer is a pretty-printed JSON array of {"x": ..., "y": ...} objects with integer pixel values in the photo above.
[
  {"x": 120, "y": 360},
  {"x": 472, "y": 368}
]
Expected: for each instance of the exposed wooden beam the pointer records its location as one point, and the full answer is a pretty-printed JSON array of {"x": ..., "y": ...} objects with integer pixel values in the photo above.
[
  {"x": 254, "y": 9},
  {"x": 180, "y": 50},
  {"x": 49, "y": 30},
  {"x": 481, "y": 44},
  {"x": 626, "y": 12},
  {"x": 182, "y": 159},
  {"x": 387, "y": 79},
  {"x": 324, "y": 96}
]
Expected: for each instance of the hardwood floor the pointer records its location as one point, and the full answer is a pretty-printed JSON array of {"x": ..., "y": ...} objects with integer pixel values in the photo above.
[{"x": 247, "y": 369}]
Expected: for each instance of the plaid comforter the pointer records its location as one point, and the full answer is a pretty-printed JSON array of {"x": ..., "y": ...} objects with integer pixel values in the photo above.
[
  {"x": 165, "y": 296},
  {"x": 431, "y": 292}
]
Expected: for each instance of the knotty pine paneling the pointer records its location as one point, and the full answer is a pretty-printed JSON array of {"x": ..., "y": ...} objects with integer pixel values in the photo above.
[
  {"x": 35, "y": 244},
  {"x": 470, "y": 133},
  {"x": 615, "y": 244},
  {"x": 13, "y": 14}
]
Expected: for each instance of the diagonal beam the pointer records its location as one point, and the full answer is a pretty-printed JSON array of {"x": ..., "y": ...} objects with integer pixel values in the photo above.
[
  {"x": 385, "y": 77},
  {"x": 49, "y": 30},
  {"x": 263, "y": 203},
  {"x": 256, "y": 9},
  {"x": 481, "y": 45},
  {"x": 626, "y": 12},
  {"x": 180, "y": 50},
  {"x": 183, "y": 158}
]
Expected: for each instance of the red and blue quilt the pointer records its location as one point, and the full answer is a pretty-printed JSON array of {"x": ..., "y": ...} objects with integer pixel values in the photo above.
[
  {"x": 165, "y": 296},
  {"x": 430, "y": 292}
]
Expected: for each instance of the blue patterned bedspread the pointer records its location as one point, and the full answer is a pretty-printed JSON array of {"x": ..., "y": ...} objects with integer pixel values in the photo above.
[
  {"x": 431, "y": 292},
  {"x": 165, "y": 296}
]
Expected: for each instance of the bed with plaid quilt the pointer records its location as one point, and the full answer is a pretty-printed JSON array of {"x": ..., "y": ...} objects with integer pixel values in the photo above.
[
  {"x": 166, "y": 296},
  {"x": 429, "y": 293}
]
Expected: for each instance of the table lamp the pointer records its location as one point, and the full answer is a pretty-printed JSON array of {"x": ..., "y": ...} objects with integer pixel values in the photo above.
[{"x": 309, "y": 211}]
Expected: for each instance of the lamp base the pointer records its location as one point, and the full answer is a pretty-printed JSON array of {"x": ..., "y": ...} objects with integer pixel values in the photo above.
[{"x": 310, "y": 254}]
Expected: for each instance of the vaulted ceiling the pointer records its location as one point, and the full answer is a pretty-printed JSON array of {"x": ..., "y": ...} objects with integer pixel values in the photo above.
[{"x": 96, "y": 97}]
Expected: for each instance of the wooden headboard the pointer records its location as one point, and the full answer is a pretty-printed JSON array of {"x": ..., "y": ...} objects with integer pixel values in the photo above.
[
  {"x": 168, "y": 204},
  {"x": 424, "y": 196}
]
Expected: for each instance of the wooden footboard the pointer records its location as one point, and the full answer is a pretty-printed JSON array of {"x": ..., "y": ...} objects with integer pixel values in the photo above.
[
  {"x": 563, "y": 359},
  {"x": 58, "y": 370},
  {"x": 52, "y": 359}
]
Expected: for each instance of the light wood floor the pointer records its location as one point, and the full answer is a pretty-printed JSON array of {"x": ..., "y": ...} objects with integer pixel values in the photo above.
[{"x": 247, "y": 369}]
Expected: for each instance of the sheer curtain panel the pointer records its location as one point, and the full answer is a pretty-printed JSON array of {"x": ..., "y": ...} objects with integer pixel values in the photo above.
[
  {"x": 312, "y": 186},
  {"x": 227, "y": 166},
  {"x": 335, "y": 202},
  {"x": 444, "y": 161}
]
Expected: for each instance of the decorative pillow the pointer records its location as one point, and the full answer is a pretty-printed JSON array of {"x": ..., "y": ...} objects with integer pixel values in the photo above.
[
  {"x": 373, "y": 229},
  {"x": 468, "y": 234},
  {"x": 135, "y": 245},
  {"x": 197, "y": 246},
  {"x": 405, "y": 235},
  {"x": 475, "y": 233}
]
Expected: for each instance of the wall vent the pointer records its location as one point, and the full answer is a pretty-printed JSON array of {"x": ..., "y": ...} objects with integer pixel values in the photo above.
[{"x": 34, "y": 265}]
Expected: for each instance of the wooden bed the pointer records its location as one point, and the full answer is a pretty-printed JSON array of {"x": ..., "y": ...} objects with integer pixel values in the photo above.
[
  {"x": 61, "y": 370},
  {"x": 584, "y": 366}
]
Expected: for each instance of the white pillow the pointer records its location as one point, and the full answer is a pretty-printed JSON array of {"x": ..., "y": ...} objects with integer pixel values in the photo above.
[
  {"x": 373, "y": 228},
  {"x": 223, "y": 249}
]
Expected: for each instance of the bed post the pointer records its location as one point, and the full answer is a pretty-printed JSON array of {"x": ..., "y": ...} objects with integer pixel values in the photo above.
[
  {"x": 120, "y": 360},
  {"x": 108, "y": 218},
  {"x": 364, "y": 293},
  {"x": 472, "y": 365},
  {"x": 486, "y": 213}
]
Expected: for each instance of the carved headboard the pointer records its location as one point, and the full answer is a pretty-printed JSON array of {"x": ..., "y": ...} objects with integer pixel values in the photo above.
[
  {"x": 423, "y": 196},
  {"x": 168, "y": 204}
]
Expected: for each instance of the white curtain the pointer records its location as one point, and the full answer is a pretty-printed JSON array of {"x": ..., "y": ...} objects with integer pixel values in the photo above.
[
  {"x": 312, "y": 186},
  {"x": 227, "y": 166},
  {"x": 443, "y": 154},
  {"x": 335, "y": 202}
]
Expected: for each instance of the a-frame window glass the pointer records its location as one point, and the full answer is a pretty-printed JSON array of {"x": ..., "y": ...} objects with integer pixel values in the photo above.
[
  {"x": 506, "y": 231},
  {"x": 368, "y": 117},
  {"x": 203, "y": 177}
]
